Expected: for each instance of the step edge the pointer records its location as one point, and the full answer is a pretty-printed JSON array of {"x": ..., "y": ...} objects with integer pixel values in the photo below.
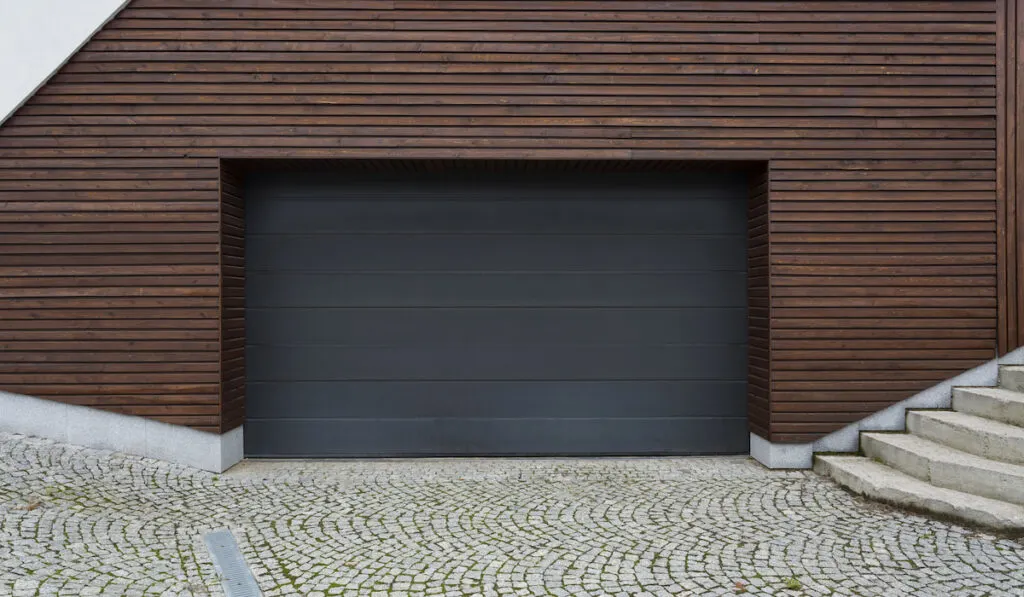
[
  {"x": 986, "y": 512},
  {"x": 990, "y": 392},
  {"x": 942, "y": 452},
  {"x": 966, "y": 420}
]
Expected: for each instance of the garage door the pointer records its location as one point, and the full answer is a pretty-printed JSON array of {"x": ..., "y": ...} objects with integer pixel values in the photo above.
[{"x": 496, "y": 315}]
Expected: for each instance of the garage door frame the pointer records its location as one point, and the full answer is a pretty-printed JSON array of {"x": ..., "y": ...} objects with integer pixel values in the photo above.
[{"x": 233, "y": 263}]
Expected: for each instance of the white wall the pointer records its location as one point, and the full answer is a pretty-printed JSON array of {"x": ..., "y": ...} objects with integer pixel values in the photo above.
[{"x": 37, "y": 36}]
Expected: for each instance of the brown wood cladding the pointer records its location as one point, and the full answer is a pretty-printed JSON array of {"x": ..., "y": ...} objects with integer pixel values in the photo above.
[
  {"x": 232, "y": 288},
  {"x": 1010, "y": 171},
  {"x": 758, "y": 305},
  {"x": 879, "y": 119}
]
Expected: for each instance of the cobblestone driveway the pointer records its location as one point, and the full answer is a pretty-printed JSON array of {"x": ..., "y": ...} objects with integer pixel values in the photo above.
[{"x": 87, "y": 522}]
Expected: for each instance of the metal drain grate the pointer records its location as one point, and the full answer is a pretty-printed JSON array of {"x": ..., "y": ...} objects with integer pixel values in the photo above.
[{"x": 227, "y": 559}]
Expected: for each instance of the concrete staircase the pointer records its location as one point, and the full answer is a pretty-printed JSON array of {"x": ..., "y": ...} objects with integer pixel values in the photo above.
[{"x": 965, "y": 463}]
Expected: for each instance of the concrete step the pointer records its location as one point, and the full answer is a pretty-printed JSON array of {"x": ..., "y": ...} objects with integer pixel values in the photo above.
[
  {"x": 998, "y": 404},
  {"x": 872, "y": 479},
  {"x": 943, "y": 466},
  {"x": 984, "y": 437},
  {"x": 1011, "y": 377}
]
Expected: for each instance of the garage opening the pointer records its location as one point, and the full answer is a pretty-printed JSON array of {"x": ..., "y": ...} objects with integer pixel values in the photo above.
[{"x": 501, "y": 308}]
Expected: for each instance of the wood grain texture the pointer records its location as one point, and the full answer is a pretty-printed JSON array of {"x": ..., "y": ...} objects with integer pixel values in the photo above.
[
  {"x": 890, "y": 258},
  {"x": 759, "y": 316},
  {"x": 232, "y": 298},
  {"x": 1015, "y": 156},
  {"x": 1010, "y": 172}
]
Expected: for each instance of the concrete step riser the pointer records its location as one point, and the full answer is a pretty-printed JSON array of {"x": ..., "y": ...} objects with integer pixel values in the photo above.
[
  {"x": 990, "y": 405},
  {"x": 880, "y": 482},
  {"x": 1012, "y": 378},
  {"x": 994, "y": 445},
  {"x": 933, "y": 464}
]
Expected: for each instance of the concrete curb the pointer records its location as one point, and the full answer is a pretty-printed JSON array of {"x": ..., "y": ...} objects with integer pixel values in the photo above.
[{"x": 93, "y": 428}]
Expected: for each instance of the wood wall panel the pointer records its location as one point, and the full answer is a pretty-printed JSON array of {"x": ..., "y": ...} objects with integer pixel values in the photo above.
[
  {"x": 1010, "y": 171},
  {"x": 759, "y": 365},
  {"x": 232, "y": 294},
  {"x": 879, "y": 119}
]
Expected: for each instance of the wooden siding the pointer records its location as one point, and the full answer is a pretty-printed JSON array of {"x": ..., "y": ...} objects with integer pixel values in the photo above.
[
  {"x": 759, "y": 305},
  {"x": 232, "y": 292},
  {"x": 1010, "y": 171},
  {"x": 878, "y": 117}
]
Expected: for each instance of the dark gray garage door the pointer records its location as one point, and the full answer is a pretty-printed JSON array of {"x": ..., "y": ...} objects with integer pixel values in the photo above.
[{"x": 449, "y": 315}]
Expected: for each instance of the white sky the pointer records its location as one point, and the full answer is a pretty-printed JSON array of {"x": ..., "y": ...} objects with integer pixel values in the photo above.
[{"x": 37, "y": 36}]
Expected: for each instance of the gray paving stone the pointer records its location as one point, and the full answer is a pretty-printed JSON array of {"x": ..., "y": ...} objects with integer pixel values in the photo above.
[{"x": 80, "y": 522}]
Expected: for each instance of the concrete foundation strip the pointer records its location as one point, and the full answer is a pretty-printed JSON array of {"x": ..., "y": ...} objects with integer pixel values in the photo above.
[{"x": 236, "y": 577}]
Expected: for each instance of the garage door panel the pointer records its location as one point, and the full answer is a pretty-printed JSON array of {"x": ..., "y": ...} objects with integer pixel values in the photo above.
[
  {"x": 320, "y": 363},
  {"x": 486, "y": 289},
  {"x": 482, "y": 252},
  {"x": 505, "y": 399},
  {"x": 481, "y": 314},
  {"x": 305, "y": 214},
  {"x": 493, "y": 326},
  {"x": 433, "y": 437}
]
